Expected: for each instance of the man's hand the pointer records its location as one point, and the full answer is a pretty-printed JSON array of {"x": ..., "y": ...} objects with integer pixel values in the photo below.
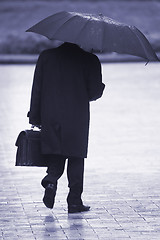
[{"x": 38, "y": 126}]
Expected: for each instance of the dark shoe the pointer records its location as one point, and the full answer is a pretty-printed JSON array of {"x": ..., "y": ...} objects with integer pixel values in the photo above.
[
  {"x": 49, "y": 195},
  {"x": 77, "y": 208}
]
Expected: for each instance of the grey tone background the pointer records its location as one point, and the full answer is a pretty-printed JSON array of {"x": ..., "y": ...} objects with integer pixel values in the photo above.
[{"x": 122, "y": 169}]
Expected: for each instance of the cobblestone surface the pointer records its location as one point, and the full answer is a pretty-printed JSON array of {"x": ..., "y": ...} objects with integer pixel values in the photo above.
[{"x": 122, "y": 170}]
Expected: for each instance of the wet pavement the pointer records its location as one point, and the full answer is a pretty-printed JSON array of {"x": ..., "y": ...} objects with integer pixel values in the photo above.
[{"x": 122, "y": 177}]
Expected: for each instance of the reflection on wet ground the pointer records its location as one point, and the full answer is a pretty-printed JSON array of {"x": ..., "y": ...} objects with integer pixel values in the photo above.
[{"x": 122, "y": 170}]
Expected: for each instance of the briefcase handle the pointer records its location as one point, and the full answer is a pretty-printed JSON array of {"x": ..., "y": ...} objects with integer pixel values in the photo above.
[{"x": 37, "y": 126}]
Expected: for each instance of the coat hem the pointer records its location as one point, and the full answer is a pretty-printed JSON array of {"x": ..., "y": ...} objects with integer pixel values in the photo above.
[{"x": 63, "y": 154}]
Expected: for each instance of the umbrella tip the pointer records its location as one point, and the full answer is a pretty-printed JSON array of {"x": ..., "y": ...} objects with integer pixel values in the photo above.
[{"x": 147, "y": 62}]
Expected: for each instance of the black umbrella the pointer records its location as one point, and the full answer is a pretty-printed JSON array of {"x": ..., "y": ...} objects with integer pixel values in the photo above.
[{"x": 95, "y": 33}]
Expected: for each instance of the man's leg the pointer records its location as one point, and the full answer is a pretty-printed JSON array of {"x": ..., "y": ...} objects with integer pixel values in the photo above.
[
  {"x": 56, "y": 164},
  {"x": 55, "y": 170},
  {"x": 75, "y": 173}
]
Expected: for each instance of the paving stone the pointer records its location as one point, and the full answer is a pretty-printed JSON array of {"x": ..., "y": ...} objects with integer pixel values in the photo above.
[{"x": 122, "y": 170}]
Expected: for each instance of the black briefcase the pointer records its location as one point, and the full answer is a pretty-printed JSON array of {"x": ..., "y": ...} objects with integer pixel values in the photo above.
[{"x": 29, "y": 149}]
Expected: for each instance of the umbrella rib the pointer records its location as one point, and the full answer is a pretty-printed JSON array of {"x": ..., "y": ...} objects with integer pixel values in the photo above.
[
  {"x": 84, "y": 26},
  {"x": 139, "y": 39},
  {"x": 137, "y": 32},
  {"x": 64, "y": 23},
  {"x": 82, "y": 29}
]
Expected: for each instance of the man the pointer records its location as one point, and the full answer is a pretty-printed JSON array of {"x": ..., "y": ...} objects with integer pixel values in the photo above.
[{"x": 66, "y": 79}]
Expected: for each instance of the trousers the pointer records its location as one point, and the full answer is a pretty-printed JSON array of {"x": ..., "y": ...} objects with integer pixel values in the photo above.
[{"x": 75, "y": 175}]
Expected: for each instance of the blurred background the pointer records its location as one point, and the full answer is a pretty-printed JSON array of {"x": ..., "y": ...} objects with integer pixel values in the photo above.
[{"x": 17, "y": 16}]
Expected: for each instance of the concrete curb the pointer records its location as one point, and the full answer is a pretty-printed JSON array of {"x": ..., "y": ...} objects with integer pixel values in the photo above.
[{"x": 31, "y": 58}]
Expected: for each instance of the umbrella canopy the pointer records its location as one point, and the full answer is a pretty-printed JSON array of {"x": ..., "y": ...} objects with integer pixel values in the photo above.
[{"x": 95, "y": 33}]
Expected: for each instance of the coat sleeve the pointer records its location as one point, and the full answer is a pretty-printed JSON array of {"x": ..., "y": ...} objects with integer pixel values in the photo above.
[
  {"x": 95, "y": 86},
  {"x": 35, "y": 104}
]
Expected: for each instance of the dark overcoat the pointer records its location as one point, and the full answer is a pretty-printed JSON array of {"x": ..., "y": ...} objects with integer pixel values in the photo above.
[{"x": 66, "y": 79}]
